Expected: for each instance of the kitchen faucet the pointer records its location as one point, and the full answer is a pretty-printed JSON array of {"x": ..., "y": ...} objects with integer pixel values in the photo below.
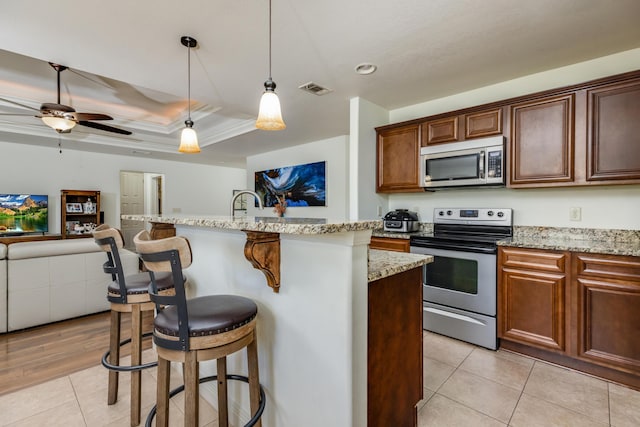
[{"x": 239, "y": 193}]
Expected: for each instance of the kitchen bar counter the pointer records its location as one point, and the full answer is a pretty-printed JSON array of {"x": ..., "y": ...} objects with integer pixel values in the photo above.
[{"x": 313, "y": 333}]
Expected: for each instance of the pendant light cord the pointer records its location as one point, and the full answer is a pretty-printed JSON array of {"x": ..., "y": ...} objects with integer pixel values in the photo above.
[
  {"x": 189, "y": 80},
  {"x": 269, "y": 39}
]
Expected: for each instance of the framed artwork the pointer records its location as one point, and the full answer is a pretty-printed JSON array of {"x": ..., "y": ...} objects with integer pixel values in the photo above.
[
  {"x": 301, "y": 185},
  {"x": 74, "y": 208}
]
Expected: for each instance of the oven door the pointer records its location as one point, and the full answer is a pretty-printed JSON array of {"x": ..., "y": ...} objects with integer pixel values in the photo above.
[{"x": 463, "y": 280}]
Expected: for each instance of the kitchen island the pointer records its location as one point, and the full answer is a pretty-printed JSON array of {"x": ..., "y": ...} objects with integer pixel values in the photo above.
[{"x": 313, "y": 332}]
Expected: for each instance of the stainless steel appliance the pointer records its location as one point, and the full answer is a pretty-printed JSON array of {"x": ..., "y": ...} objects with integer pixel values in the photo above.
[
  {"x": 401, "y": 221},
  {"x": 478, "y": 162},
  {"x": 460, "y": 286}
]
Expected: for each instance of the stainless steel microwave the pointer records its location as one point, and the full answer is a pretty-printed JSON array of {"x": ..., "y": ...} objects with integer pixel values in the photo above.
[{"x": 478, "y": 162}]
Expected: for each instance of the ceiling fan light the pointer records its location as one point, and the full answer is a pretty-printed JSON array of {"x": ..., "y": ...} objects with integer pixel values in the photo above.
[
  {"x": 59, "y": 124},
  {"x": 189, "y": 140},
  {"x": 270, "y": 115}
]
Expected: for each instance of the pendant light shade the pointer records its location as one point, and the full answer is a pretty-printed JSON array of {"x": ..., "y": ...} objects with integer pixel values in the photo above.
[
  {"x": 59, "y": 124},
  {"x": 188, "y": 137},
  {"x": 270, "y": 115}
]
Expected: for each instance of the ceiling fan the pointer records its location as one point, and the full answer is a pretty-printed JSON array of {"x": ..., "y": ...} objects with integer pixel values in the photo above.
[{"x": 62, "y": 118}]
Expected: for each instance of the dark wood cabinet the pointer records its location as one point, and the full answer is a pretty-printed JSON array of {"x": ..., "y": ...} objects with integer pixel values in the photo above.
[
  {"x": 578, "y": 310},
  {"x": 390, "y": 244},
  {"x": 78, "y": 207},
  {"x": 440, "y": 131},
  {"x": 532, "y": 293},
  {"x": 613, "y": 150},
  {"x": 398, "y": 157},
  {"x": 542, "y": 141},
  {"x": 394, "y": 342},
  {"x": 607, "y": 307},
  {"x": 483, "y": 124}
]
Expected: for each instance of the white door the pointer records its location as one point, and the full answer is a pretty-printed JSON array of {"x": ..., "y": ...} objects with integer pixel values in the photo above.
[{"x": 131, "y": 203}]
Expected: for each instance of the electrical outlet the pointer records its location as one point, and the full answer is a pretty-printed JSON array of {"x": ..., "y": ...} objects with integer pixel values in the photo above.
[
  {"x": 575, "y": 214},
  {"x": 379, "y": 210}
]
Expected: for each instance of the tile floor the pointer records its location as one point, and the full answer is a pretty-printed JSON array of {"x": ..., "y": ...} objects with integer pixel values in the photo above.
[{"x": 464, "y": 385}]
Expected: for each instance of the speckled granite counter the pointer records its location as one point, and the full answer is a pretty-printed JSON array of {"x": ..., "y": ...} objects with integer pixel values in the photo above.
[
  {"x": 600, "y": 241},
  {"x": 387, "y": 263},
  {"x": 264, "y": 224}
]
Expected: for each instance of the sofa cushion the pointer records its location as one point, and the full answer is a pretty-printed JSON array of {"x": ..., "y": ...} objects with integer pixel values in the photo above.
[
  {"x": 3, "y": 251},
  {"x": 47, "y": 248}
]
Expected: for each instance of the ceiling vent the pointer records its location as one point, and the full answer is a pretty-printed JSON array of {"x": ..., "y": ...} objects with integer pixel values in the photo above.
[{"x": 315, "y": 89}]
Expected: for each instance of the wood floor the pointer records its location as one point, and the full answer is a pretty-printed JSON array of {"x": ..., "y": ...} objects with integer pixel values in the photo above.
[{"x": 39, "y": 354}]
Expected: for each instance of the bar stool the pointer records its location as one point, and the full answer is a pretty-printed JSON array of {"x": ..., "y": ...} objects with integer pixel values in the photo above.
[
  {"x": 127, "y": 294},
  {"x": 198, "y": 329}
]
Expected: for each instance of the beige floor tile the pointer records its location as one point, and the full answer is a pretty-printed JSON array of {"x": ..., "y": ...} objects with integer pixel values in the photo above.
[
  {"x": 624, "y": 405},
  {"x": 65, "y": 415},
  {"x": 490, "y": 398},
  {"x": 435, "y": 373},
  {"x": 574, "y": 391},
  {"x": 534, "y": 412},
  {"x": 426, "y": 395},
  {"x": 440, "y": 411},
  {"x": 35, "y": 400},
  {"x": 445, "y": 349},
  {"x": 504, "y": 368}
]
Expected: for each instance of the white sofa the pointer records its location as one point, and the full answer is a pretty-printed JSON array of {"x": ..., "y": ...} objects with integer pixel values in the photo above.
[
  {"x": 53, "y": 280},
  {"x": 3, "y": 288}
]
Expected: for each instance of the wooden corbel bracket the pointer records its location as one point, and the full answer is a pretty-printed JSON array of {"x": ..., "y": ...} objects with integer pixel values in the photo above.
[{"x": 262, "y": 250}]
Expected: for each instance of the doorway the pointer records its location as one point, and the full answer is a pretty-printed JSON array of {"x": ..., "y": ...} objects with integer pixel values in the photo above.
[{"x": 141, "y": 193}]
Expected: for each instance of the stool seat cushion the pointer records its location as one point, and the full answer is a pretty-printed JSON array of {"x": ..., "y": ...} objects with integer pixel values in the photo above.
[
  {"x": 208, "y": 315},
  {"x": 137, "y": 284}
]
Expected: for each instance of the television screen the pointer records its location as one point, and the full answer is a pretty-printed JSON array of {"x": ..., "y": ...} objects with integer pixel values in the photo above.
[{"x": 23, "y": 214}]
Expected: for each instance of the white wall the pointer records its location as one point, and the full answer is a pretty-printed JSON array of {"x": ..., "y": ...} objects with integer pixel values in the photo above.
[
  {"x": 335, "y": 151},
  {"x": 194, "y": 189},
  {"x": 365, "y": 202},
  {"x": 602, "y": 207}
]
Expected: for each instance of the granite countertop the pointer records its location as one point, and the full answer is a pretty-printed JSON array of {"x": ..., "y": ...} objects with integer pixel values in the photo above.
[
  {"x": 284, "y": 225},
  {"x": 387, "y": 263},
  {"x": 599, "y": 241}
]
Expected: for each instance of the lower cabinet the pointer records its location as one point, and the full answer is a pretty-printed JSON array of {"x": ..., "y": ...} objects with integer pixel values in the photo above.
[
  {"x": 575, "y": 309},
  {"x": 390, "y": 244}
]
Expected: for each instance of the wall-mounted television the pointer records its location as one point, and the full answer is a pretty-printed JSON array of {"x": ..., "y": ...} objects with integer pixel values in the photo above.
[{"x": 24, "y": 214}]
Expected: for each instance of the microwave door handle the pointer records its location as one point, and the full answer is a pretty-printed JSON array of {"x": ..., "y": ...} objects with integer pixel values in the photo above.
[{"x": 481, "y": 165}]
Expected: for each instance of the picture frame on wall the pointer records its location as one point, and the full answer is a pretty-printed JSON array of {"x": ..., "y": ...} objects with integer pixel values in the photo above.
[
  {"x": 300, "y": 185},
  {"x": 74, "y": 208}
]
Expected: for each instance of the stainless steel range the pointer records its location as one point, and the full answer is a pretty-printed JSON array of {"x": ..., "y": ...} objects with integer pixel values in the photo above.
[{"x": 460, "y": 286}]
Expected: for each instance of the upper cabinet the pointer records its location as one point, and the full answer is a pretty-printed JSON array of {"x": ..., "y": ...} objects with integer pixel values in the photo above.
[
  {"x": 398, "y": 159},
  {"x": 542, "y": 141},
  {"x": 459, "y": 127},
  {"x": 441, "y": 130},
  {"x": 613, "y": 150},
  {"x": 483, "y": 123}
]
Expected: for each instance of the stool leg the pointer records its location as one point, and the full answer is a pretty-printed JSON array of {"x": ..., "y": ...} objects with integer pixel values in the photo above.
[
  {"x": 136, "y": 359},
  {"x": 191, "y": 389},
  {"x": 223, "y": 413},
  {"x": 162, "y": 396},
  {"x": 114, "y": 356},
  {"x": 254, "y": 377}
]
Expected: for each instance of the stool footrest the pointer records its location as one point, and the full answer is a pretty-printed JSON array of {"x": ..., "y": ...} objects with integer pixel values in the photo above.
[
  {"x": 132, "y": 368},
  {"x": 254, "y": 419}
]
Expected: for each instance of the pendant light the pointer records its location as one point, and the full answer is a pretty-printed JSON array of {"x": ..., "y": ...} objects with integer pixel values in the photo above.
[
  {"x": 269, "y": 115},
  {"x": 189, "y": 138}
]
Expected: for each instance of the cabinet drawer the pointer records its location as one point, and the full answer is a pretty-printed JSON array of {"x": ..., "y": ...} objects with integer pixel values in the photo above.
[
  {"x": 547, "y": 261},
  {"x": 610, "y": 266},
  {"x": 390, "y": 244}
]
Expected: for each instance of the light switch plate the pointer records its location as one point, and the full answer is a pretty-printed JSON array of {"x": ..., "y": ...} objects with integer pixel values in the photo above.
[{"x": 575, "y": 214}]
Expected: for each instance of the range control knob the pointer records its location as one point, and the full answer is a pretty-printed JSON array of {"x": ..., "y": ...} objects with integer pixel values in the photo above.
[
  {"x": 500, "y": 214},
  {"x": 441, "y": 213},
  {"x": 490, "y": 213},
  {"x": 449, "y": 212}
]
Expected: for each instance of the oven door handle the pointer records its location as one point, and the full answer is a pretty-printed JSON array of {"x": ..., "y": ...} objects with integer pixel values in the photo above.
[
  {"x": 458, "y": 247},
  {"x": 453, "y": 315}
]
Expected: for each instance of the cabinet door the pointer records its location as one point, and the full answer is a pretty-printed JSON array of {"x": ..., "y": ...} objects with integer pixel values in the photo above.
[
  {"x": 441, "y": 130},
  {"x": 542, "y": 141},
  {"x": 484, "y": 123},
  {"x": 531, "y": 304},
  {"x": 398, "y": 156},
  {"x": 613, "y": 151},
  {"x": 607, "y": 290}
]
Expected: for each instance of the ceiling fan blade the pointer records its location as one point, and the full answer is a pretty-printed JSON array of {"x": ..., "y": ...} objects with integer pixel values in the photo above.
[
  {"x": 18, "y": 104},
  {"x": 104, "y": 127},
  {"x": 82, "y": 117}
]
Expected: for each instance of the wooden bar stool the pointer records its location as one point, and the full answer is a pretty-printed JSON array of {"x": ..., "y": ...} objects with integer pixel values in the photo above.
[
  {"x": 127, "y": 294},
  {"x": 195, "y": 330}
]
